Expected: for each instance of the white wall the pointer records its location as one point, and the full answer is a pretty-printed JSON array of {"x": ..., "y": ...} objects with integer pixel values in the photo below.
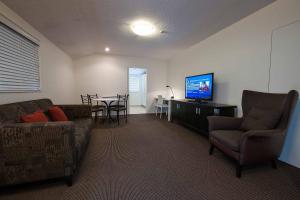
[
  {"x": 56, "y": 68},
  {"x": 108, "y": 75},
  {"x": 240, "y": 57},
  {"x": 285, "y": 73}
]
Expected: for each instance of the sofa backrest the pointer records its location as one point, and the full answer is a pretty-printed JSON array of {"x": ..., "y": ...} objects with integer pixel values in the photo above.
[{"x": 11, "y": 113}]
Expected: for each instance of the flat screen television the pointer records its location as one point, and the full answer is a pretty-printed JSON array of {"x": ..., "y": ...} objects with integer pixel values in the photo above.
[{"x": 199, "y": 87}]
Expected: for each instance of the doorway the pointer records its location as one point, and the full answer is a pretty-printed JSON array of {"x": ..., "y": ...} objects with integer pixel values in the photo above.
[{"x": 137, "y": 89}]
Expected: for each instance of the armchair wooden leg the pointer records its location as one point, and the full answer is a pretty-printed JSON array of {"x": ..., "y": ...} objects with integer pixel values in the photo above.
[
  {"x": 69, "y": 180},
  {"x": 211, "y": 149},
  {"x": 238, "y": 170},
  {"x": 274, "y": 164}
]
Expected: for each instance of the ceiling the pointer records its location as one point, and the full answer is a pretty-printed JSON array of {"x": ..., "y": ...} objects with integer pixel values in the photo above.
[{"x": 84, "y": 27}]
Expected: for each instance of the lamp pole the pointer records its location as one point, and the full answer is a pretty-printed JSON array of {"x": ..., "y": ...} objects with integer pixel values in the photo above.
[{"x": 172, "y": 97}]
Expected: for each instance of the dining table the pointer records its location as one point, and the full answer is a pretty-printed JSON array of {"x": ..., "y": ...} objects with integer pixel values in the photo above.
[{"x": 107, "y": 101}]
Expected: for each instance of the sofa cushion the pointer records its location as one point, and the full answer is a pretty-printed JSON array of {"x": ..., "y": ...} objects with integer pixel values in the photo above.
[
  {"x": 230, "y": 138},
  {"x": 260, "y": 119},
  {"x": 57, "y": 114},
  {"x": 38, "y": 116}
]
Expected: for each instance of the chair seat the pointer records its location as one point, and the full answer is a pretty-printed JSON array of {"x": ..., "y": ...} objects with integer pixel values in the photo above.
[
  {"x": 163, "y": 105},
  {"x": 230, "y": 138},
  {"x": 97, "y": 108},
  {"x": 115, "y": 108}
]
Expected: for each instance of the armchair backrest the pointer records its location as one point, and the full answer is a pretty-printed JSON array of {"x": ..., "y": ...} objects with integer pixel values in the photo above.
[{"x": 284, "y": 103}]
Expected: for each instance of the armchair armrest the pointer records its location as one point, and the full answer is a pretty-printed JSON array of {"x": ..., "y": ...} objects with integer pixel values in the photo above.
[
  {"x": 77, "y": 111},
  {"x": 263, "y": 133},
  {"x": 223, "y": 123},
  {"x": 36, "y": 151},
  {"x": 261, "y": 145}
]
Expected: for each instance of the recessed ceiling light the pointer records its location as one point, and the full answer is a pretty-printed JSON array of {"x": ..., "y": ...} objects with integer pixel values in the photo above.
[
  {"x": 143, "y": 28},
  {"x": 107, "y": 49}
]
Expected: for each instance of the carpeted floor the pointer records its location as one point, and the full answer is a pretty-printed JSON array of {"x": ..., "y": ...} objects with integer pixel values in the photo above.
[{"x": 148, "y": 158}]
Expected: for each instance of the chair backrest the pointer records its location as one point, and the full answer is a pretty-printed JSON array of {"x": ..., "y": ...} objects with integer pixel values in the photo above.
[
  {"x": 126, "y": 100},
  {"x": 284, "y": 103},
  {"x": 160, "y": 100},
  {"x": 91, "y": 97},
  {"x": 84, "y": 99},
  {"x": 122, "y": 100}
]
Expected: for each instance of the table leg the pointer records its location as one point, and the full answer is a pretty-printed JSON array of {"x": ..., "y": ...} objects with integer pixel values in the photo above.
[
  {"x": 107, "y": 109},
  {"x": 109, "y": 116},
  {"x": 169, "y": 110}
]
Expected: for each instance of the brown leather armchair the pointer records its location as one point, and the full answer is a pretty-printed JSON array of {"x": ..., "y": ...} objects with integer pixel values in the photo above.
[{"x": 253, "y": 146}]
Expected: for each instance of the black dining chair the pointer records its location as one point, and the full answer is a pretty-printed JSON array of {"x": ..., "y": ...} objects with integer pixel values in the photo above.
[
  {"x": 96, "y": 107},
  {"x": 121, "y": 105},
  {"x": 84, "y": 99}
]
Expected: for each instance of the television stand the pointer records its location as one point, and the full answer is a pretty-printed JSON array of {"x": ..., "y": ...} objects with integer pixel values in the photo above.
[
  {"x": 193, "y": 114},
  {"x": 199, "y": 101}
]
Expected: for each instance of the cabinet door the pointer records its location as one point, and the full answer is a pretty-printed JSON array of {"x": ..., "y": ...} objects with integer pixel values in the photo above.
[
  {"x": 191, "y": 115},
  {"x": 198, "y": 119},
  {"x": 178, "y": 110},
  {"x": 174, "y": 110},
  {"x": 182, "y": 111},
  {"x": 202, "y": 114}
]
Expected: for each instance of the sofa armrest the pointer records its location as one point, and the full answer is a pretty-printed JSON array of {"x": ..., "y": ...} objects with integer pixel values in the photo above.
[
  {"x": 36, "y": 151},
  {"x": 261, "y": 145},
  {"x": 223, "y": 123},
  {"x": 77, "y": 111}
]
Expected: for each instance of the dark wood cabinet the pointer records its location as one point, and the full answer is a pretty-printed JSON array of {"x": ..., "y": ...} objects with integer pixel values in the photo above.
[{"x": 194, "y": 114}]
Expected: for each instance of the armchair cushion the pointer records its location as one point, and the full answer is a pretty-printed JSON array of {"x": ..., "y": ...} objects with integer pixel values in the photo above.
[
  {"x": 229, "y": 138},
  {"x": 260, "y": 119}
]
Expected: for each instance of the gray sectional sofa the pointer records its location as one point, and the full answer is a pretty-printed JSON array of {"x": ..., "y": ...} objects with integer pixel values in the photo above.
[{"x": 38, "y": 151}]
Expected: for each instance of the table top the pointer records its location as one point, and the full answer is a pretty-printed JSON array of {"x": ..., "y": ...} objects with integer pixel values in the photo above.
[
  {"x": 165, "y": 99},
  {"x": 106, "y": 99}
]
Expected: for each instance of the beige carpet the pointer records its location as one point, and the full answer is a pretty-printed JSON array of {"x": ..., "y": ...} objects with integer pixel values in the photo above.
[{"x": 148, "y": 158}]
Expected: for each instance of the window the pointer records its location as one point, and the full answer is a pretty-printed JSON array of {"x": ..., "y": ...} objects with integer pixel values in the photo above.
[
  {"x": 19, "y": 62},
  {"x": 134, "y": 84}
]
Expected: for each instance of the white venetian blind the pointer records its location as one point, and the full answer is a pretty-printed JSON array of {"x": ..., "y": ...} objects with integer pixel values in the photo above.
[
  {"x": 19, "y": 62},
  {"x": 134, "y": 84}
]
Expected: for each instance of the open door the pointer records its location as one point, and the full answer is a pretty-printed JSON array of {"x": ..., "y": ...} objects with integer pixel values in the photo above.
[{"x": 137, "y": 86}]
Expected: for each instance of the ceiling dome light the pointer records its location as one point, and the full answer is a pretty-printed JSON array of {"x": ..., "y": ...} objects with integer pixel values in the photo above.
[
  {"x": 107, "y": 49},
  {"x": 143, "y": 28}
]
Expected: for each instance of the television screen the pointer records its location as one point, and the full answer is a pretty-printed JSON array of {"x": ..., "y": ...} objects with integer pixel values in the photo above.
[{"x": 199, "y": 87}]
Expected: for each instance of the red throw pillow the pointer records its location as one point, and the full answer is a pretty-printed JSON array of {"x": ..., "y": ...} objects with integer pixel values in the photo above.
[
  {"x": 57, "y": 114},
  {"x": 38, "y": 116}
]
